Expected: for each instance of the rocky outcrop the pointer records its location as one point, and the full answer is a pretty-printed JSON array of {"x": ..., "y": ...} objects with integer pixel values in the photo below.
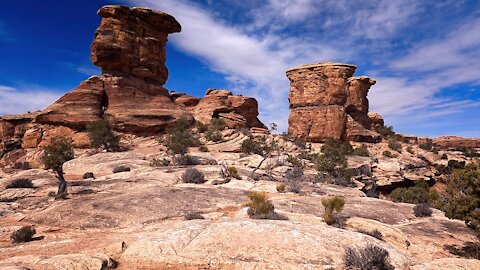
[
  {"x": 326, "y": 101},
  {"x": 129, "y": 46},
  {"x": 456, "y": 142}
]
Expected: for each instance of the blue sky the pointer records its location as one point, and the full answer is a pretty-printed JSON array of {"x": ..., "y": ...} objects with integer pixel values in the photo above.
[{"x": 425, "y": 55}]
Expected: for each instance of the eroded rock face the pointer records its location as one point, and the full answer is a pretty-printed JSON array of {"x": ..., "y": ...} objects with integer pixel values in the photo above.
[
  {"x": 326, "y": 101},
  {"x": 132, "y": 40}
]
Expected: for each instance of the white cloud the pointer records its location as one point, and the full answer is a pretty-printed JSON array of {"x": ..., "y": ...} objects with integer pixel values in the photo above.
[{"x": 21, "y": 100}]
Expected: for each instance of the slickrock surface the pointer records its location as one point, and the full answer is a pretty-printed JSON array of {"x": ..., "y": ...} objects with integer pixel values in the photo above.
[
  {"x": 135, "y": 219},
  {"x": 326, "y": 101}
]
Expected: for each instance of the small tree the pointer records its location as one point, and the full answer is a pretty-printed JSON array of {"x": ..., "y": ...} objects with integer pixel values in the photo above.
[
  {"x": 179, "y": 137},
  {"x": 333, "y": 163},
  {"x": 101, "y": 135},
  {"x": 55, "y": 155},
  {"x": 331, "y": 206}
]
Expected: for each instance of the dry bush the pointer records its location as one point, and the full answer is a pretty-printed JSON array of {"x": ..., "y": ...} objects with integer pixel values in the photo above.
[
  {"x": 422, "y": 210},
  {"x": 20, "y": 183},
  {"x": 193, "y": 215},
  {"x": 370, "y": 257},
  {"x": 121, "y": 168},
  {"x": 194, "y": 176},
  {"x": 24, "y": 234}
]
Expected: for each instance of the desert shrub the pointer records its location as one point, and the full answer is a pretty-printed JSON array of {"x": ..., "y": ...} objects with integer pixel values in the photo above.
[
  {"x": 101, "y": 135},
  {"x": 259, "y": 204},
  {"x": 286, "y": 136},
  {"x": 367, "y": 258},
  {"x": 462, "y": 196},
  {"x": 203, "y": 148},
  {"x": 444, "y": 156},
  {"x": 121, "y": 168},
  {"x": 157, "y": 162},
  {"x": 184, "y": 160},
  {"x": 24, "y": 234},
  {"x": 428, "y": 145},
  {"x": 194, "y": 176},
  {"x": 54, "y": 156},
  {"x": 332, "y": 165},
  {"x": 361, "y": 151},
  {"x": 294, "y": 161},
  {"x": 332, "y": 206},
  {"x": 193, "y": 215},
  {"x": 375, "y": 233},
  {"x": 281, "y": 188},
  {"x": 250, "y": 146},
  {"x": 218, "y": 124},
  {"x": 179, "y": 137},
  {"x": 213, "y": 135},
  {"x": 201, "y": 127},
  {"x": 410, "y": 150},
  {"x": 389, "y": 154},
  {"x": 21, "y": 165},
  {"x": 20, "y": 183},
  {"x": 233, "y": 172},
  {"x": 469, "y": 250},
  {"x": 416, "y": 194},
  {"x": 88, "y": 175},
  {"x": 469, "y": 152},
  {"x": 294, "y": 179},
  {"x": 422, "y": 210},
  {"x": 395, "y": 145},
  {"x": 385, "y": 131}
]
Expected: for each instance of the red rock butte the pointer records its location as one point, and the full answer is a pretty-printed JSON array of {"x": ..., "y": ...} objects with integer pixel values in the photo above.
[
  {"x": 129, "y": 46},
  {"x": 326, "y": 101}
]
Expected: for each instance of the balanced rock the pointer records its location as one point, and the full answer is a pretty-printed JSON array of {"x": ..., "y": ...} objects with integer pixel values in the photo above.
[{"x": 326, "y": 101}]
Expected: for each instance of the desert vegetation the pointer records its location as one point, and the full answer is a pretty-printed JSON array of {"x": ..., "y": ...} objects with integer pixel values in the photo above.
[{"x": 55, "y": 155}]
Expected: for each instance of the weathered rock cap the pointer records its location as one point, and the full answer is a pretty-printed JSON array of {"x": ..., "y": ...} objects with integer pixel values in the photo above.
[
  {"x": 157, "y": 19},
  {"x": 322, "y": 64},
  {"x": 362, "y": 78}
]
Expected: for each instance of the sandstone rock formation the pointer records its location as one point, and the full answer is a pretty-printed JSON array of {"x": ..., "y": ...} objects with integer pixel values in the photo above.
[
  {"x": 326, "y": 101},
  {"x": 129, "y": 46}
]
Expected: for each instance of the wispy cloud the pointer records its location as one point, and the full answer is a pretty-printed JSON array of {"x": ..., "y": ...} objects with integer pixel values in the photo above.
[
  {"x": 254, "y": 51},
  {"x": 25, "y": 98}
]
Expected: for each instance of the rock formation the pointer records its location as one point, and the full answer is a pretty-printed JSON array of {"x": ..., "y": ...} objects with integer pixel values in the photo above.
[
  {"x": 129, "y": 46},
  {"x": 326, "y": 101}
]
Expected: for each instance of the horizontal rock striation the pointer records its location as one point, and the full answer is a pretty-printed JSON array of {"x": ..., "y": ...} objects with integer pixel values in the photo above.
[{"x": 326, "y": 101}]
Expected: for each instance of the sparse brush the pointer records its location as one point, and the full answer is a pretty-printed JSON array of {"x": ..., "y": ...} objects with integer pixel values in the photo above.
[
  {"x": 24, "y": 234},
  {"x": 367, "y": 258},
  {"x": 20, "y": 183},
  {"x": 375, "y": 233},
  {"x": 194, "y": 176},
  {"x": 395, "y": 145},
  {"x": 361, "y": 151},
  {"x": 121, "y": 168},
  {"x": 259, "y": 204},
  {"x": 332, "y": 206},
  {"x": 157, "y": 162},
  {"x": 233, "y": 172},
  {"x": 203, "y": 148},
  {"x": 422, "y": 210},
  {"x": 389, "y": 154},
  {"x": 193, "y": 215}
]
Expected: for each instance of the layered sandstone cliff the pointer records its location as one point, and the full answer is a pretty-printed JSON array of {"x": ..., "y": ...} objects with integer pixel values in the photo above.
[
  {"x": 129, "y": 46},
  {"x": 326, "y": 101}
]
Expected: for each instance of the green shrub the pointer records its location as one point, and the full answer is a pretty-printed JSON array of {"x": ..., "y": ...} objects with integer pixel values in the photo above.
[
  {"x": 395, "y": 145},
  {"x": 417, "y": 194},
  {"x": 179, "y": 137},
  {"x": 422, "y": 210},
  {"x": 444, "y": 156},
  {"x": 184, "y": 160},
  {"x": 461, "y": 198},
  {"x": 101, "y": 135},
  {"x": 410, "y": 150},
  {"x": 24, "y": 234},
  {"x": 157, "y": 162},
  {"x": 194, "y": 176},
  {"x": 428, "y": 145},
  {"x": 332, "y": 206},
  {"x": 218, "y": 124},
  {"x": 203, "y": 148},
  {"x": 361, "y": 151},
  {"x": 20, "y": 183},
  {"x": 332, "y": 165},
  {"x": 250, "y": 146},
  {"x": 370, "y": 257},
  {"x": 54, "y": 156},
  {"x": 201, "y": 127},
  {"x": 333, "y": 145},
  {"x": 88, "y": 175},
  {"x": 213, "y": 135},
  {"x": 294, "y": 161},
  {"x": 389, "y": 154},
  {"x": 385, "y": 131}
]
